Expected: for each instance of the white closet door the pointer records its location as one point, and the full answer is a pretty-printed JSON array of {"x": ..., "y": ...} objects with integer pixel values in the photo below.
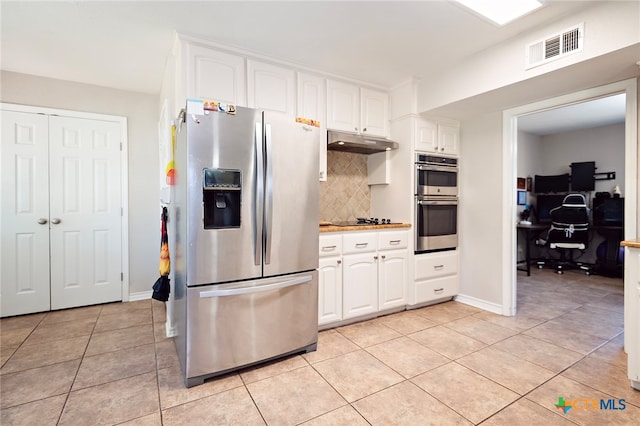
[
  {"x": 24, "y": 198},
  {"x": 85, "y": 212}
]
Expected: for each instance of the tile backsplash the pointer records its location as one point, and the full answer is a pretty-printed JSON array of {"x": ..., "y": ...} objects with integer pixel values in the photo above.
[{"x": 345, "y": 195}]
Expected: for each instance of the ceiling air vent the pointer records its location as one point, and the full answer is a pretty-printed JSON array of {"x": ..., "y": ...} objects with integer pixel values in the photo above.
[{"x": 555, "y": 46}]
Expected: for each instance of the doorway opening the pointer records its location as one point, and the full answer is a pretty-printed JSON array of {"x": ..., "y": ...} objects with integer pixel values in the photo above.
[{"x": 510, "y": 170}]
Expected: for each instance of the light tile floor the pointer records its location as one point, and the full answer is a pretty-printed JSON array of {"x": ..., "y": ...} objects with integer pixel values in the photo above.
[{"x": 444, "y": 364}]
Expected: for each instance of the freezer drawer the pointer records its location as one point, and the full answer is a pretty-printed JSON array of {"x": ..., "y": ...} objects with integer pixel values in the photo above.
[{"x": 229, "y": 326}]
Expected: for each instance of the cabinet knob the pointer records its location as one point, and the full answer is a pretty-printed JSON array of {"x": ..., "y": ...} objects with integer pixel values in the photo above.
[
  {"x": 339, "y": 262},
  {"x": 42, "y": 221},
  {"x": 375, "y": 257},
  {"x": 364, "y": 130},
  {"x": 384, "y": 257},
  {"x": 355, "y": 128},
  {"x": 55, "y": 221},
  {"x": 442, "y": 148}
]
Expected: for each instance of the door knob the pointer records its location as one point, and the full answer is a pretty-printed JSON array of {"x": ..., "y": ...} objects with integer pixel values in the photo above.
[
  {"x": 55, "y": 221},
  {"x": 42, "y": 221}
]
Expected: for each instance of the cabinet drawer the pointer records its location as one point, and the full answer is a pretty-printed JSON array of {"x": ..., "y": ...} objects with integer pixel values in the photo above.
[
  {"x": 330, "y": 245},
  {"x": 435, "y": 265},
  {"x": 436, "y": 289},
  {"x": 359, "y": 242},
  {"x": 393, "y": 240}
]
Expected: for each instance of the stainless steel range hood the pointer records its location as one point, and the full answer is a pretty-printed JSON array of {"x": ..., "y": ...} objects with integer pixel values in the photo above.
[{"x": 360, "y": 144}]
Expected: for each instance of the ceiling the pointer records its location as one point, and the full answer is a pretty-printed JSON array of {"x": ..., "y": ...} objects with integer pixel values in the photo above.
[
  {"x": 124, "y": 45},
  {"x": 585, "y": 115}
]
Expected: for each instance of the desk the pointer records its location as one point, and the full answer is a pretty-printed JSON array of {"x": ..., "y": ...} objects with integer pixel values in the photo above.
[{"x": 531, "y": 233}]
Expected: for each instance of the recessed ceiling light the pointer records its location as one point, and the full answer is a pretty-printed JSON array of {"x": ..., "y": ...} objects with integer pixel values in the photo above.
[{"x": 501, "y": 11}]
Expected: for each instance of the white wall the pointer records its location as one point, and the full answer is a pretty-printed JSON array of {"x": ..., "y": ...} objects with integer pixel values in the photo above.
[
  {"x": 528, "y": 159},
  {"x": 609, "y": 26},
  {"x": 604, "y": 145},
  {"x": 141, "y": 111},
  {"x": 479, "y": 212}
]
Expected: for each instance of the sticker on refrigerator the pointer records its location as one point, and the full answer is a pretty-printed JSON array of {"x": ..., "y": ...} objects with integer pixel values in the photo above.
[{"x": 195, "y": 106}]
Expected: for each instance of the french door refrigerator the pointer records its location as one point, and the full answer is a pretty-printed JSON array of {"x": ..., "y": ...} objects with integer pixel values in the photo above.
[{"x": 246, "y": 209}]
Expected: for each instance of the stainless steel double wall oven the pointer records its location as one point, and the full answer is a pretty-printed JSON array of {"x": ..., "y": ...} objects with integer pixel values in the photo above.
[{"x": 436, "y": 202}]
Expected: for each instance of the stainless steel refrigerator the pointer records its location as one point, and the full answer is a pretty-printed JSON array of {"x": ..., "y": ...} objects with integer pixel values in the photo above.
[{"x": 246, "y": 210}]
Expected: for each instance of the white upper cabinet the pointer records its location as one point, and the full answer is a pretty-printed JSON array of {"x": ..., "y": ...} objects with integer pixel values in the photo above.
[
  {"x": 311, "y": 97},
  {"x": 271, "y": 87},
  {"x": 312, "y": 104},
  {"x": 343, "y": 106},
  {"x": 215, "y": 75},
  {"x": 437, "y": 137},
  {"x": 374, "y": 112},
  {"x": 354, "y": 109}
]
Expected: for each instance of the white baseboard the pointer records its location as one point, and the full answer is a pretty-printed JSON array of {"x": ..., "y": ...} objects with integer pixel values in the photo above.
[
  {"x": 479, "y": 303},
  {"x": 171, "y": 331},
  {"x": 142, "y": 295}
]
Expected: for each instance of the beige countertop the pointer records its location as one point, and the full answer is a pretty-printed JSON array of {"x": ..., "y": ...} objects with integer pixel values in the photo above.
[
  {"x": 333, "y": 228},
  {"x": 631, "y": 243}
]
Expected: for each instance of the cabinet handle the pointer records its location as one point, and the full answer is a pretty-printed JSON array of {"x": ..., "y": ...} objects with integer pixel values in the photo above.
[
  {"x": 339, "y": 262},
  {"x": 364, "y": 130},
  {"x": 438, "y": 290},
  {"x": 55, "y": 221},
  {"x": 355, "y": 128},
  {"x": 394, "y": 242},
  {"x": 326, "y": 248},
  {"x": 42, "y": 221},
  {"x": 384, "y": 257},
  {"x": 437, "y": 267},
  {"x": 360, "y": 245}
]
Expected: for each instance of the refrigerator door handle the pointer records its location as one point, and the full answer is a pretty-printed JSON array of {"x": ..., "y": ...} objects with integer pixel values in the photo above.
[
  {"x": 258, "y": 289},
  {"x": 268, "y": 208},
  {"x": 259, "y": 197}
]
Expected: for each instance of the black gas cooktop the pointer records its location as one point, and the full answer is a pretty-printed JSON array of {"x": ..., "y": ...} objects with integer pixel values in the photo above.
[{"x": 365, "y": 221}]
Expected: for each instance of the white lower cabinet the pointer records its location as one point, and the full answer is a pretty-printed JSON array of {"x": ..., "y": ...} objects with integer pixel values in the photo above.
[
  {"x": 436, "y": 276},
  {"x": 392, "y": 279},
  {"x": 329, "y": 290},
  {"x": 360, "y": 284},
  {"x": 361, "y": 273}
]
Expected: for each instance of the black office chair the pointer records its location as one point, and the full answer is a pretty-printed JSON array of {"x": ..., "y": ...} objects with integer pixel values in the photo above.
[{"x": 570, "y": 231}]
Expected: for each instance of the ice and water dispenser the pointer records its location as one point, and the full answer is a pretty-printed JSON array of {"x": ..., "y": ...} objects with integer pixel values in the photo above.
[{"x": 221, "y": 192}]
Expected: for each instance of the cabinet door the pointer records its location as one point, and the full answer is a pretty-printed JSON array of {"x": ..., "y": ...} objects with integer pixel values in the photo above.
[
  {"x": 311, "y": 97},
  {"x": 215, "y": 75},
  {"x": 329, "y": 290},
  {"x": 374, "y": 112},
  {"x": 25, "y": 213},
  {"x": 343, "y": 106},
  {"x": 312, "y": 100},
  {"x": 426, "y": 136},
  {"x": 360, "y": 285},
  {"x": 392, "y": 278},
  {"x": 448, "y": 139},
  {"x": 271, "y": 87}
]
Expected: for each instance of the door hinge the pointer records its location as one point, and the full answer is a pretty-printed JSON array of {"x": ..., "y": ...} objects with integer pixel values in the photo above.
[
  {"x": 120, "y": 146},
  {"x": 121, "y": 276},
  {"x": 121, "y": 211}
]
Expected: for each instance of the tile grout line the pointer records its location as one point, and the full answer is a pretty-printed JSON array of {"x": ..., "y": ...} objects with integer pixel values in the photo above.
[{"x": 75, "y": 376}]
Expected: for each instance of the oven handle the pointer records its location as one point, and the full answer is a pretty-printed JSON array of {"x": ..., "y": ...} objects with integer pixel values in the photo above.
[
  {"x": 437, "y": 202},
  {"x": 429, "y": 167}
]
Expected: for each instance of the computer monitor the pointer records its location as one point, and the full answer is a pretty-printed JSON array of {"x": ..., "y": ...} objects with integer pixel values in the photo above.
[
  {"x": 608, "y": 211},
  {"x": 556, "y": 183},
  {"x": 544, "y": 204},
  {"x": 583, "y": 176}
]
